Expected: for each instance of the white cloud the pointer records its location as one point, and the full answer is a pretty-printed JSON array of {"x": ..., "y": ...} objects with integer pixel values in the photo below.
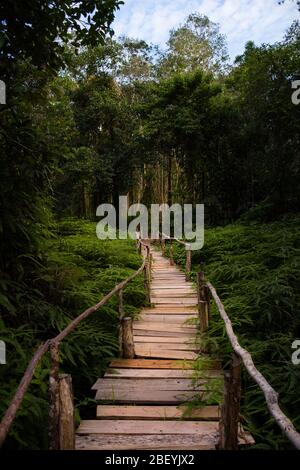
[{"x": 241, "y": 20}]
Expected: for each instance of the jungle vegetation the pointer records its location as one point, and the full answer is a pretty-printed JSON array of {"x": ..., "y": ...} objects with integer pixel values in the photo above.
[{"x": 90, "y": 117}]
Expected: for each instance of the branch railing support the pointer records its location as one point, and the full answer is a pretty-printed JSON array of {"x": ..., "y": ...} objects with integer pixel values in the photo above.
[
  {"x": 171, "y": 254},
  {"x": 54, "y": 409},
  {"x": 127, "y": 338},
  {"x": 188, "y": 263},
  {"x": 203, "y": 301},
  {"x": 230, "y": 410},
  {"x": 66, "y": 413}
]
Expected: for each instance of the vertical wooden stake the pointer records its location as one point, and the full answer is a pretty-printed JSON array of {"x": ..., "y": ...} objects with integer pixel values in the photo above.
[
  {"x": 128, "y": 341},
  {"x": 188, "y": 265},
  {"x": 203, "y": 306},
  {"x": 163, "y": 246},
  {"x": 54, "y": 408},
  {"x": 200, "y": 285},
  {"x": 66, "y": 419},
  {"x": 171, "y": 252},
  {"x": 203, "y": 315},
  {"x": 147, "y": 284},
  {"x": 230, "y": 411},
  {"x": 150, "y": 267},
  {"x": 121, "y": 316}
]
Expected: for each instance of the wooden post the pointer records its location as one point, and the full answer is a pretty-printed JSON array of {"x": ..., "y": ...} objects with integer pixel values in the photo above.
[
  {"x": 54, "y": 443},
  {"x": 188, "y": 264},
  {"x": 150, "y": 267},
  {"x": 200, "y": 285},
  {"x": 203, "y": 315},
  {"x": 207, "y": 296},
  {"x": 230, "y": 411},
  {"x": 66, "y": 415},
  {"x": 147, "y": 284},
  {"x": 121, "y": 316},
  {"x": 128, "y": 342},
  {"x": 163, "y": 246},
  {"x": 171, "y": 252},
  {"x": 203, "y": 307}
]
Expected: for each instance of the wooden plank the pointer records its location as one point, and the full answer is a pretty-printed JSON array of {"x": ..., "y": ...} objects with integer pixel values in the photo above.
[
  {"x": 160, "y": 397},
  {"x": 150, "y": 384},
  {"x": 169, "y": 346},
  {"x": 160, "y": 332},
  {"x": 159, "y": 373},
  {"x": 184, "y": 341},
  {"x": 207, "y": 413},
  {"x": 170, "y": 311},
  {"x": 177, "y": 286},
  {"x": 176, "y": 301},
  {"x": 168, "y": 318},
  {"x": 151, "y": 364},
  {"x": 135, "y": 426},
  {"x": 165, "y": 353},
  {"x": 141, "y": 325},
  {"x": 154, "y": 442}
]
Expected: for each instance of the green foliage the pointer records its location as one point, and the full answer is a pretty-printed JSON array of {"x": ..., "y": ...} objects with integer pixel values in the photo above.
[
  {"x": 38, "y": 30},
  {"x": 255, "y": 269},
  {"x": 76, "y": 272}
]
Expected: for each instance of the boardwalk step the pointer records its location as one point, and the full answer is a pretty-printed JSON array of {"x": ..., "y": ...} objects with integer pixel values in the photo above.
[
  {"x": 133, "y": 427},
  {"x": 160, "y": 317},
  {"x": 167, "y": 397},
  {"x": 167, "y": 353},
  {"x": 116, "y": 383},
  {"x": 209, "y": 413},
  {"x": 146, "y": 345},
  {"x": 159, "y": 364},
  {"x": 184, "y": 341},
  {"x": 153, "y": 442},
  {"x": 159, "y": 373}
]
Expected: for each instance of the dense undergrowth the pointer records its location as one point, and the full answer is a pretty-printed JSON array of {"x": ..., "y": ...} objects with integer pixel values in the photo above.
[
  {"x": 256, "y": 270},
  {"x": 76, "y": 270}
]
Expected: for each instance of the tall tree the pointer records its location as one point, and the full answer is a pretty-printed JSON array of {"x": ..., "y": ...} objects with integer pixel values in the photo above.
[{"x": 197, "y": 44}]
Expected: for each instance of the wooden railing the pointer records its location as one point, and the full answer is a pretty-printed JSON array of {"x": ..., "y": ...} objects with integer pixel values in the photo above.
[
  {"x": 230, "y": 412},
  {"x": 61, "y": 411}
]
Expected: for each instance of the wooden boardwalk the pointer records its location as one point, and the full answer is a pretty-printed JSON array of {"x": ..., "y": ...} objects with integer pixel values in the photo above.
[{"x": 141, "y": 401}]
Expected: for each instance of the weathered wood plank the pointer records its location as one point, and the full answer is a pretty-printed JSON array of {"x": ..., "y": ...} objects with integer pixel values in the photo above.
[
  {"x": 184, "y": 341},
  {"x": 145, "y": 442},
  {"x": 209, "y": 413},
  {"x": 151, "y": 364},
  {"x": 181, "y": 319},
  {"x": 165, "y": 310},
  {"x": 165, "y": 346},
  {"x": 136, "y": 427},
  {"x": 159, "y": 373},
  {"x": 161, "y": 332},
  {"x": 150, "y": 384},
  {"x": 158, "y": 397},
  {"x": 165, "y": 353},
  {"x": 175, "y": 301},
  {"x": 186, "y": 328}
]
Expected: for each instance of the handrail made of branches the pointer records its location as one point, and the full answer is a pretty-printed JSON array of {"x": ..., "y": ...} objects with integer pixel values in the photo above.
[
  {"x": 181, "y": 242},
  {"x": 16, "y": 401},
  {"x": 270, "y": 394}
]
